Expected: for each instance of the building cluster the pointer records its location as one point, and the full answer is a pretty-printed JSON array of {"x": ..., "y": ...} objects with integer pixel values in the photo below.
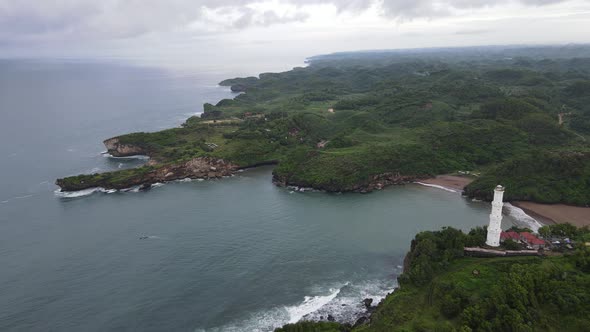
[{"x": 525, "y": 238}]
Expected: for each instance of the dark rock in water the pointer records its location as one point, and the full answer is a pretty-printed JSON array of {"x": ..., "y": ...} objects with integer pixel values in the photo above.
[
  {"x": 367, "y": 303},
  {"x": 344, "y": 304},
  {"x": 361, "y": 321},
  {"x": 145, "y": 187},
  {"x": 331, "y": 318}
]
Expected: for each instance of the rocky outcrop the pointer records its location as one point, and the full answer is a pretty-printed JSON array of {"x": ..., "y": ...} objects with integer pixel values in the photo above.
[
  {"x": 376, "y": 182},
  {"x": 196, "y": 168},
  {"x": 238, "y": 88},
  {"x": 383, "y": 180},
  {"x": 117, "y": 149}
]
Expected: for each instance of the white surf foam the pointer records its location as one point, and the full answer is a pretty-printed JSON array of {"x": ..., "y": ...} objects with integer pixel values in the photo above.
[
  {"x": 82, "y": 193},
  {"x": 436, "y": 186},
  {"x": 519, "y": 215},
  {"x": 74, "y": 194},
  {"x": 303, "y": 189},
  {"x": 347, "y": 307},
  {"x": 135, "y": 189},
  {"x": 343, "y": 303},
  {"x": 310, "y": 304},
  {"x": 139, "y": 156}
]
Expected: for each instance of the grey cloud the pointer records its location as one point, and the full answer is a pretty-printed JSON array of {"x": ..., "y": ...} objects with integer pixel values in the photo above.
[
  {"x": 472, "y": 32},
  {"x": 104, "y": 19},
  {"x": 249, "y": 18}
]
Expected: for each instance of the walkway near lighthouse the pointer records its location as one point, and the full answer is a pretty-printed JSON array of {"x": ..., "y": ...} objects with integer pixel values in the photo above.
[{"x": 483, "y": 252}]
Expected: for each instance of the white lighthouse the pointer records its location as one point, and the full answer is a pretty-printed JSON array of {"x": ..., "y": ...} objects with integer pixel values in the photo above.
[{"x": 495, "y": 226}]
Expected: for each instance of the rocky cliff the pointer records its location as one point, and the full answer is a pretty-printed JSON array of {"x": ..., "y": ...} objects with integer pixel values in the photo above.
[
  {"x": 376, "y": 182},
  {"x": 117, "y": 149},
  {"x": 196, "y": 168}
]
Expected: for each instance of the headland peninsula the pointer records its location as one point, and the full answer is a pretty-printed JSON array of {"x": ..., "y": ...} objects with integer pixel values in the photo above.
[{"x": 357, "y": 122}]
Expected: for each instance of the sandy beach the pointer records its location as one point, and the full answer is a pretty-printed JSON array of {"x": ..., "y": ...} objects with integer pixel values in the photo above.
[
  {"x": 547, "y": 213},
  {"x": 449, "y": 181},
  {"x": 557, "y": 213}
]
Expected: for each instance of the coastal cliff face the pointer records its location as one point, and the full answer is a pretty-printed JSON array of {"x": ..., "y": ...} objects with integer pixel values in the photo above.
[
  {"x": 376, "y": 182},
  {"x": 196, "y": 168},
  {"x": 117, "y": 149}
]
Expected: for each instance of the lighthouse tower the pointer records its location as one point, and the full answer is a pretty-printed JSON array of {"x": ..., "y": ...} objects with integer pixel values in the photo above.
[{"x": 494, "y": 228}]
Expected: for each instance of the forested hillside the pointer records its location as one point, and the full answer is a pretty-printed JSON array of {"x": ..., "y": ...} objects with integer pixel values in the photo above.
[{"x": 359, "y": 121}]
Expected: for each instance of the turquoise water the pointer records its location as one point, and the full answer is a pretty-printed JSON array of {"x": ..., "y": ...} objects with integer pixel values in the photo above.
[{"x": 235, "y": 254}]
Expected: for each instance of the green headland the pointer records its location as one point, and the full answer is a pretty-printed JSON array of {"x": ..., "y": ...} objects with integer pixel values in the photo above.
[{"x": 361, "y": 121}]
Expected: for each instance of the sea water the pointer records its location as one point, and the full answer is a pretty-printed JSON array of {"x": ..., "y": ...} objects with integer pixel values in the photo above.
[{"x": 235, "y": 254}]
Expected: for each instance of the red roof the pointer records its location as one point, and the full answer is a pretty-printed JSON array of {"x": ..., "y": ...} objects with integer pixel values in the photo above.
[
  {"x": 530, "y": 238},
  {"x": 509, "y": 235}
]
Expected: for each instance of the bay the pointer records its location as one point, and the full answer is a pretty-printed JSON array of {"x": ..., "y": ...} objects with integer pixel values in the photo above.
[{"x": 235, "y": 254}]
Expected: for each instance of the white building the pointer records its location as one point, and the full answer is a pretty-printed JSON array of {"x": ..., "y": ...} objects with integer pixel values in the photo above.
[{"x": 495, "y": 226}]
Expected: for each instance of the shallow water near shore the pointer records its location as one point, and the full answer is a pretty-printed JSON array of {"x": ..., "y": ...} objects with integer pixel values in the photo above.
[{"x": 235, "y": 254}]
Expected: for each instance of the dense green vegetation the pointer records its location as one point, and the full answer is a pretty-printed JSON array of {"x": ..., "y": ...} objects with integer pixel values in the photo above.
[
  {"x": 440, "y": 290},
  {"x": 545, "y": 177},
  {"x": 347, "y": 118}
]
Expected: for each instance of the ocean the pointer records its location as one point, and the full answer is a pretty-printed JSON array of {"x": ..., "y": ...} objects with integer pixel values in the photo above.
[{"x": 234, "y": 254}]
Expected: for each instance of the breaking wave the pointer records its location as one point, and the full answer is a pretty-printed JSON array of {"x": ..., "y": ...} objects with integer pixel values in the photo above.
[
  {"x": 310, "y": 304},
  {"x": 139, "y": 156},
  {"x": 436, "y": 186},
  {"x": 521, "y": 217},
  {"x": 343, "y": 302},
  {"x": 82, "y": 193},
  {"x": 303, "y": 189}
]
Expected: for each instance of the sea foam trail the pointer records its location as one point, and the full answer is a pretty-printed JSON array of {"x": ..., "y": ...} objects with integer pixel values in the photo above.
[
  {"x": 521, "y": 216},
  {"x": 139, "y": 156},
  {"x": 344, "y": 304},
  {"x": 436, "y": 186},
  {"x": 310, "y": 304},
  {"x": 82, "y": 193}
]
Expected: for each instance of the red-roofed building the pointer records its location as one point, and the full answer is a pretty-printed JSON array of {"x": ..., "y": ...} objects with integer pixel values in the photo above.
[
  {"x": 532, "y": 240},
  {"x": 509, "y": 235}
]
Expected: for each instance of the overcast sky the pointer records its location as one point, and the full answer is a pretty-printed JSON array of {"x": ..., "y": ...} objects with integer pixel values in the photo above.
[{"x": 191, "y": 29}]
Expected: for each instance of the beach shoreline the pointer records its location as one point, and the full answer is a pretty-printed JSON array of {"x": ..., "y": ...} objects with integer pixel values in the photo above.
[
  {"x": 556, "y": 213},
  {"x": 545, "y": 213},
  {"x": 453, "y": 182}
]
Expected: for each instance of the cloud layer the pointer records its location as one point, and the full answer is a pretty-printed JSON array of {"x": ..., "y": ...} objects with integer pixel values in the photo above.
[{"x": 34, "y": 20}]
